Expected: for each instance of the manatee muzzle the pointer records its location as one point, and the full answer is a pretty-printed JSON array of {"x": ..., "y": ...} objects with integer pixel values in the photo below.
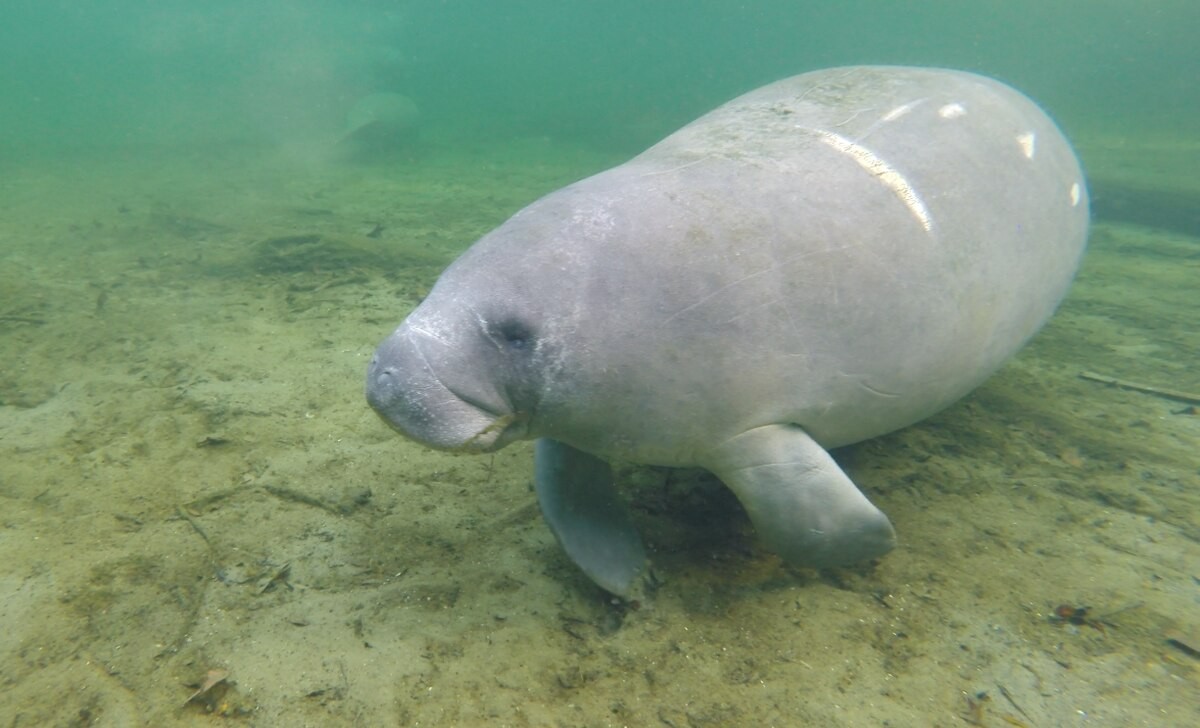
[{"x": 425, "y": 389}]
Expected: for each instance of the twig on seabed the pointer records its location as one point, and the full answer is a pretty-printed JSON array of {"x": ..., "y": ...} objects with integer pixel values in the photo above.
[
  {"x": 1144, "y": 388},
  {"x": 18, "y": 319}
]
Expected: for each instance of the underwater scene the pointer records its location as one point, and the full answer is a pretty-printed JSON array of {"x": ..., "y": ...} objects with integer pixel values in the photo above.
[{"x": 211, "y": 214}]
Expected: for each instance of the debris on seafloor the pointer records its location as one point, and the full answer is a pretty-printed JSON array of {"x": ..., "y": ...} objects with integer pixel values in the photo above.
[
  {"x": 217, "y": 696},
  {"x": 1187, "y": 642},
  {"x": 1078, "y": 616},
  {"x": 277, "y": 576},
  {"x": 974, "y": 713},
  {"x": 976, "y": 710},
  {"x": 204, "y": 693},
  {"x": 1086, "y": 616},
  {"x": 1172, "y": 394}
]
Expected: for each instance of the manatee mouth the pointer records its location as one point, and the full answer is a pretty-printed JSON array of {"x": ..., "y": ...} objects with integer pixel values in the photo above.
[
  {"x": 404, "y": 389},
  {"x": 502, "y": 431}
]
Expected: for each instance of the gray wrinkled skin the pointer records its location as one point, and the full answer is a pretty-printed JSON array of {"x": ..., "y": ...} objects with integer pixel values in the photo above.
[{"x": 820, "y": 261}]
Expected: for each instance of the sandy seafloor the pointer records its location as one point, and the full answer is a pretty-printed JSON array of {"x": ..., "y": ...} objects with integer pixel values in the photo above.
[{"x": 191, "y": 481}]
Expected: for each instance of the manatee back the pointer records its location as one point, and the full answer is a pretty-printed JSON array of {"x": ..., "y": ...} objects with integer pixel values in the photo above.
[{"x": 850, "y": 250}]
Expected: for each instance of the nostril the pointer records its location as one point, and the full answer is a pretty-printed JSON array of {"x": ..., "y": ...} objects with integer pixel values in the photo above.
[
  {"x": 385, "y": 379},
  {"x": 381, "y": 388}
]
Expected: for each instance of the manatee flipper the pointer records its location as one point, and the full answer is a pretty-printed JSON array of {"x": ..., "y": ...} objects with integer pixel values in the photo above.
[
  {"x": 580, "y": 503},
  {"x": 801, "y": 503}
]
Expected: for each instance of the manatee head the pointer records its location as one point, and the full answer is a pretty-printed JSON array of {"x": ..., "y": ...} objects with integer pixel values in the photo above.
[
  {"x": 501, "y": 348},
  {"x": 458, "y": 375}
]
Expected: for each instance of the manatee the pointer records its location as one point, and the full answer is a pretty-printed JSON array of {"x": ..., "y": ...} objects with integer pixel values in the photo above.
[
  {"x": 826, "y": 259},
  {"x": 380, "y": 121}
]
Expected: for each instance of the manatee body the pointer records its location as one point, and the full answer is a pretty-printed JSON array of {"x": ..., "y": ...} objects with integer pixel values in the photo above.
[
  {"x": 379, "y": 122},
  {"x": 823, "y": 260}
]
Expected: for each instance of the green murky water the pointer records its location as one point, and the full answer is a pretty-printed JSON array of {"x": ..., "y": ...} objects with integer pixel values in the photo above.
[{"x": 209, "y": 216}]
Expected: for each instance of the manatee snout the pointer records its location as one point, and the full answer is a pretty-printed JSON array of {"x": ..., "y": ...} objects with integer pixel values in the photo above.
[
  {"x": 405, "y": 390},
  {"x": 394, "y": 386},
  {"x": 385, "y": 385}
]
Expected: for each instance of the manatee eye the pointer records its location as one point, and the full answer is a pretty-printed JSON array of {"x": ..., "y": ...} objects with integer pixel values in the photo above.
[{"x": 515, "y": 334}]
